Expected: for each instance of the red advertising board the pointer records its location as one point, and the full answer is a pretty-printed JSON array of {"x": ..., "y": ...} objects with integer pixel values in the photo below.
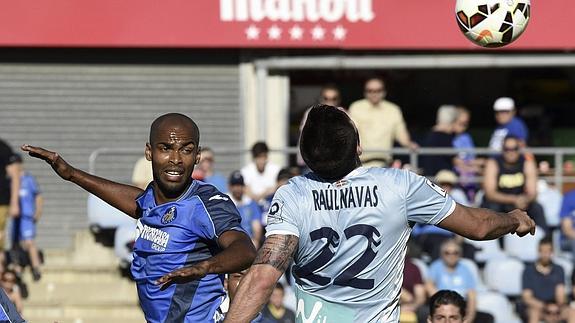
[{"x": 345, "y": 24}]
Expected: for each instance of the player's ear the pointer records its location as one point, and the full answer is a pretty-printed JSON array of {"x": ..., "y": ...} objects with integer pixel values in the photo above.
[
  {"x": 198, "y": 156},
  {"x": 359, "y": 150},
  {"x": 148, "y": 151}
]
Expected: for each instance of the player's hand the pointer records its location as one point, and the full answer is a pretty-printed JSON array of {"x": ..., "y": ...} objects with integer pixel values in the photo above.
[
  {"x": 526, "y": 224},
  {"x": 183, "y": 275},
  {"x": 60, "y": 166}
]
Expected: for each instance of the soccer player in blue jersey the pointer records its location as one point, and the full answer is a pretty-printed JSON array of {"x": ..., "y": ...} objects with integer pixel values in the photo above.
[
  {"x": 188, "y": 233},
  {"x": 346, "y": 227}
]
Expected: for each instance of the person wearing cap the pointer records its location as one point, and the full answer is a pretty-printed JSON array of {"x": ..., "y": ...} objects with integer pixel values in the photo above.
[
  {"x": 508, "y": 124},
  {"x": 249, "y": 210}
]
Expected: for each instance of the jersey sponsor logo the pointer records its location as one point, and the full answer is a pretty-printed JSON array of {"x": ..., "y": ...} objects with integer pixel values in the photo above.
[
  {"x": 170, "y": 215},
  {"x": 218, "y": 197},
  {"x": 313, "y": 315},
  {"x": 275, "y": 212},
  {"x": 343, "y": 198},
  {"x": 157, "y": 237},
  {"x": 436, "y": 188}
]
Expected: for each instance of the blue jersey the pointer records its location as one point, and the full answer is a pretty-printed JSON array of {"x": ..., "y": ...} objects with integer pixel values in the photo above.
[
  {"x": 177, "y": 234},
  {"x": 28, "y": 192},
  {"x": 352, "y": 239}
]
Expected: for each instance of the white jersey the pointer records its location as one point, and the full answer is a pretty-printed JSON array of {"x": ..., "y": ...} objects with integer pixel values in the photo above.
[{"x": 352, "y": 239}]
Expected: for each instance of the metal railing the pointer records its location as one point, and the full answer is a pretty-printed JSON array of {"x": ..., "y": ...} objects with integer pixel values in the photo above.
[{"x": 558, "y": 178}]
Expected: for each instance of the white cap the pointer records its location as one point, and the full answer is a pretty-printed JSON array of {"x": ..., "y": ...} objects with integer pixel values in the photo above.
[{"x": 504, "y": 104}]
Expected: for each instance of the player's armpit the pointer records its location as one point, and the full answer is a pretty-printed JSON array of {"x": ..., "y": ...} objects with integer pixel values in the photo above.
[{"x": 277, "y": 251}]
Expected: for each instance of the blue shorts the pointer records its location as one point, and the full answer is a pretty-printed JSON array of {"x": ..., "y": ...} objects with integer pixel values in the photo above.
[{"x": 27, "y": 228}]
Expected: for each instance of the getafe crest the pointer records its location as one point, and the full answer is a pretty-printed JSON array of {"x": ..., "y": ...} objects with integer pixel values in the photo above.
[{"x": 169, "y": 216}]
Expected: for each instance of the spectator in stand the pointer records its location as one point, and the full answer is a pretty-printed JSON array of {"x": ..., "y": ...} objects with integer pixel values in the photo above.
[
  {"x": 447, "y": 306},
  {"x": 441, "y": 135},
  {"x": 275, "y": 311},
  {"x": 260, "y": 175},
  {"x": 508, "y": 124},
  {"x": 543, "y": 283},
  {"x": 283, "y": 177},
  {"x": 328, "y": 95},
  {"x": 466, "y": 163},
  {"x": 205, "y": 170},
  {"x": 249, "y": 210},
  {"x": 12, "y": 290},
  {"x": 380, "y": 123},
  {"x": 9, "y": 188},
  {"x": 510, "y": 182},
  {"x": 142, "y": 173},
  {"x": 449, "y": 273},
  {"x": 567, "y": 215},
  {"x": 413, "y": 296},
  {"x": 31, "y": 204}
]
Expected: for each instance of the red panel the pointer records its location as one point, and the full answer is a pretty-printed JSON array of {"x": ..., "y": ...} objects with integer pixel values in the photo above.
[{"x": 394, "y": 24}]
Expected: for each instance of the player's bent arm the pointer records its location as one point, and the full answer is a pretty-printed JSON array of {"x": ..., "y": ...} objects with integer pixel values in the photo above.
[
  {"x": 257, "y": 285},
  {"x": 485, "y": 224},
  {"x": 238, "y": 253},
  {"x": 118, "y": 195}
]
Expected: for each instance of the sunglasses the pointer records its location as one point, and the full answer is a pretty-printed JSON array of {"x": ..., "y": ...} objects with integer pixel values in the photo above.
[
  {"x": 451, "y": 253},
  {"x": 511, "y": 149},
  {"x": 333, "y": 98},
  {"x": 380, "y": 90}
]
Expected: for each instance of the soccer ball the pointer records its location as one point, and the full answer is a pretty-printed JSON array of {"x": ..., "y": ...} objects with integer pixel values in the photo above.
[{"x": 492, "y": 23}]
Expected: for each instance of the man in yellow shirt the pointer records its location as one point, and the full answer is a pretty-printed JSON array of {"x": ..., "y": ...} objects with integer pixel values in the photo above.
[{"x": 379, "y": 123}]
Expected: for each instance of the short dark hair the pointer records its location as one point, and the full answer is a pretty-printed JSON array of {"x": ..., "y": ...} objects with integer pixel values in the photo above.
[
  {"x": 446, "y": 297},
  {"x": 546, "y": 240},
  {"x": 328, "y": 142},
  {"x": 259, "y": 148}
]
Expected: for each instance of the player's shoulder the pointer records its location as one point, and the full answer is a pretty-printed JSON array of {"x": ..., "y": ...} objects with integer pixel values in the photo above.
[
  {"x": 394, "y": 175},
  {"x": 209, "y": 194}
]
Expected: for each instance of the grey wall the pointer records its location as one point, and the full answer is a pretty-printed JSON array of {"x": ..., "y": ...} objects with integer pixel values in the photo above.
[{"x": 76, "y": 109}]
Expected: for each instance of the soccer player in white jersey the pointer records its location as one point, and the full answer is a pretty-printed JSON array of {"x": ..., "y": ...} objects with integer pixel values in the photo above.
[{"x": 346, "y": 227}]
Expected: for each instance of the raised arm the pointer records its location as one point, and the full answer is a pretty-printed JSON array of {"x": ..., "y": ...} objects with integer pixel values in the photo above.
[
  {"x": 257, "y": 285},
  {"x": 485, "y": 224},
  {"x": 238, "y": 254},
  {"x": 118, "y": 195}
]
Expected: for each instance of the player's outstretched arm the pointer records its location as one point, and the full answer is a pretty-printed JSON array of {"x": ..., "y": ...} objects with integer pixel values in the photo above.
[
  {"x": 238, "y": 254},
  {"x": 257, "y": 285},
  {"x": 485, "y": 224},
  {"x": 118, "y": 195}
]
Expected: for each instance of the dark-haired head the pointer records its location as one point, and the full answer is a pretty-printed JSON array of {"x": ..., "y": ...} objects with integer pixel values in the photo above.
[
  {"x": 446, "y": 297},
  {"x": 329, "y": 142}
]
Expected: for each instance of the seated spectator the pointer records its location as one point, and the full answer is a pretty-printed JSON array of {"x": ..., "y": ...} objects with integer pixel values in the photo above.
[
  {"x": 275, "y": 311},
  {"x": 260, "y": 175},
  {"x": 449, "y": 273},
  {"x": 249, "y": 210},
  {"x": 447, "y": 306},
  {"x": 205, "y": 170},
  {"x": 283, "y": 177},
  {"x": 449, "y": 181},
  {"x": 510, "y": 182},
  {"x": 466, "y": 163},
  {"x": 543, "y": 283},
  {"x": 441, "y": 135},
  {"x": 508, "y": 124},
  {"x": 567, "y": 216},
  {"x": 413, "y": 296},
  {"x": 142, "y": 173},
  {"x": 9, "y": 284}
]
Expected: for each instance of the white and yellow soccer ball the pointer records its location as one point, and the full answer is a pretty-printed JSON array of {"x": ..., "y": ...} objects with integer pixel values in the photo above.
[{"x": 492, "y": 23}]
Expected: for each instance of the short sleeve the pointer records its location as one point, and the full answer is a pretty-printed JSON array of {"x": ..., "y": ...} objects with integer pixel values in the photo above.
[
  {"x": 527, "y": 278},
  {"x": 426, "y": 202},
  {"x": 282, "y": 216},
  {"x": 223, "y": 214}
]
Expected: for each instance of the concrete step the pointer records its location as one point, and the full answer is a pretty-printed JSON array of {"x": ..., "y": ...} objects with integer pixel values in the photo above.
[
  {"x": 92, "y": 292},
  {"x": 82, "y": 312}
]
